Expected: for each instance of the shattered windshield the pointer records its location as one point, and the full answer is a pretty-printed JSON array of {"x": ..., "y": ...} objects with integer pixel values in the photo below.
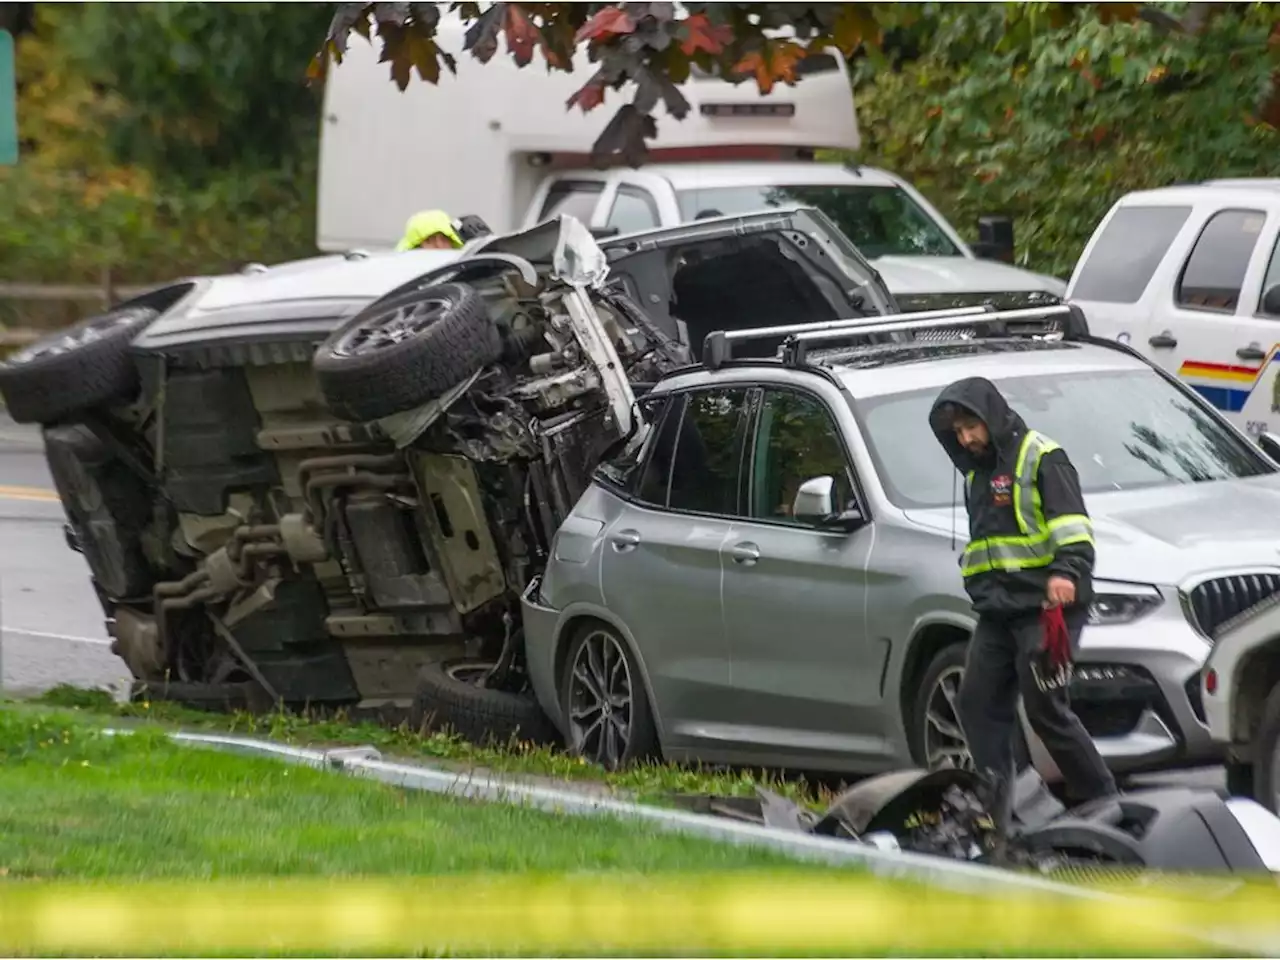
[
  {"x": 881, "y": 221},
  {"x": 1122, "y": 429}
]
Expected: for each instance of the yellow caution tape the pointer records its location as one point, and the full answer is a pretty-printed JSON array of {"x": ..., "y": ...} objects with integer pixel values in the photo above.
[{"x": 594, "y": 913}]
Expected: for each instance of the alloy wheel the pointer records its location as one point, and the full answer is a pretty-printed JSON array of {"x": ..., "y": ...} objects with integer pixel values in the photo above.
[
  {"x": 74, "y": 339},
  {"x": 391, "y": 327},
  {"x": 944, "y": 741},
  {"x": 601, "y": 701}
]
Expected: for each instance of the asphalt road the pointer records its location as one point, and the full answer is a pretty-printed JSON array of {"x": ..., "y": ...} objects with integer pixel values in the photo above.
[{"x": 50, "y": 621}]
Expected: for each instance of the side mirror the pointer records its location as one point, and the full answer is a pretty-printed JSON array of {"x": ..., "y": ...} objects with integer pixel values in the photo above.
[
  {"x": 1271, "y": 301},
  {"x": 815, "y": 503},
  {"x": 1270, "y": 445},
  {"x": 995, "y": 238}
]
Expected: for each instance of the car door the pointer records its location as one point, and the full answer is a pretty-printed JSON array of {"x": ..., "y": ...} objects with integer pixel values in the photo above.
[
  {"x": 807, "y": 675},
  {"x": 660, "y": 568},
  {"x": 1258, "y": 333},
  {"x": 781, "y": 266},
  {"x": 1205, "y": 333}
]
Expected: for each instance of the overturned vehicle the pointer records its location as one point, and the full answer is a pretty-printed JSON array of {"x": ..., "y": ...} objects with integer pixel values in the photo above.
[
  {"x": 327, "y": 482},
  {"x": 957, "y": 814}
]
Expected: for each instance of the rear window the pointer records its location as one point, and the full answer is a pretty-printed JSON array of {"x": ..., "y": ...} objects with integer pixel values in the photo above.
[
  {"x": 1126, "y": 255},
  {"x": 575, "y": 198}
]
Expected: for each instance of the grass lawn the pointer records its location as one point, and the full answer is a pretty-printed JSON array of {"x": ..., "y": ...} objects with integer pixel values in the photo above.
[
  {"x": 354, "y": 867},
  {"x": 650, "y": 781},
  {"x": 77, "y": 803}
]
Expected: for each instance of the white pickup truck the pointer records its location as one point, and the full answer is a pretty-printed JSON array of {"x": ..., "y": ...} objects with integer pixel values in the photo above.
[
  {"x": 1190, "y": 277},
  {"x": 496, "y": 141}
]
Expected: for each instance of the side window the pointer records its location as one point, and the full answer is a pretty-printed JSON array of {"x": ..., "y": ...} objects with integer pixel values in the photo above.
[
  {"x": 1125, "y": 257},
  {"x": 1214, "y": 272},
  {"x": 796, "y": 440},
  {"x": 575, "y": 198},
  {"x": 624, "y": 470},
  {"x": 705, "y": 477},
  {"x": 633, "y": 209},
  {"x": 1270, "y": 307},
  {"x": 656, "y": 478}
]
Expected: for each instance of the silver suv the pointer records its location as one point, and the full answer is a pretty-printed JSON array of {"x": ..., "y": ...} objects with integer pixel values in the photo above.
[{"x": 772, "y": 576}]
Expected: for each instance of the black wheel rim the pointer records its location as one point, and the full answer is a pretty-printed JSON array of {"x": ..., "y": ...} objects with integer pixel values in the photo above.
[
  {"x": 72, "y": 339},
  {"x": 944, "y": 741},
  {"x": 601, "y": 701},
  {"x": 391, "y": 327}
]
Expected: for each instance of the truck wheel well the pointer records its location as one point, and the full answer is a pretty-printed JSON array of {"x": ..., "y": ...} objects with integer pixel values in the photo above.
[
  {"x": 1259, "y": 673},
  {"x": 924, "y": 647}
]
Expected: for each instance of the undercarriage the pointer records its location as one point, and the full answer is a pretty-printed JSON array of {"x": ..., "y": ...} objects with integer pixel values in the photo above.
[{"x": 272, "y": 522}]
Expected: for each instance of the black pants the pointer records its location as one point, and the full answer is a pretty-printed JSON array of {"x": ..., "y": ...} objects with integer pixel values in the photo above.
[{"x": 997, "y": 670}]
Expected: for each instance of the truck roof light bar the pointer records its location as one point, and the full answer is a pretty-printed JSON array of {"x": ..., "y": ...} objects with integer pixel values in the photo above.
[
  {"x": 1063, "y": 319},
  {"x": 717, "y": 346}
]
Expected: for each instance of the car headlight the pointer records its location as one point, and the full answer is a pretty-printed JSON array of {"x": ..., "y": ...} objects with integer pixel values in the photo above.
[{"x": 1116, "y": 603}]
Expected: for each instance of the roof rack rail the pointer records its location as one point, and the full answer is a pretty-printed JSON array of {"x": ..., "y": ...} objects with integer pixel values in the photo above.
[
  {"x": 717, "y": 346},
  {"x": 1000, "y": 323}
]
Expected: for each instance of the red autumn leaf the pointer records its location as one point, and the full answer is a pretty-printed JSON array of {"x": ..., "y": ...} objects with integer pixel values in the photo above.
[
  {"x": 522, "y": 36},
  {"x": 589, "y": 96},
  {"x": 605, "y": 25},
  {"x": 701, "y": 34}
]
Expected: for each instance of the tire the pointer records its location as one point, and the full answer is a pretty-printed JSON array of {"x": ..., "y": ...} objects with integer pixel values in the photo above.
[
  {"x": 447, "y": 697},
  {"x": 406, "y": 350},
  {"x": 951, "y": 660},
  {"x": 1266, "y": 755},
  {"x": 641, "y": 733},
  {"x": 84, "y": 366}
]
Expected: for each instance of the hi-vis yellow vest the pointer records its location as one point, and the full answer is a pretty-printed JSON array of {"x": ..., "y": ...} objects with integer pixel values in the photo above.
[{"x": 1040, "y": 539}]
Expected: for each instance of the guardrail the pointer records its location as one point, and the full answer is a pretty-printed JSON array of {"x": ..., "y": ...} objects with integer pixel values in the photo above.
[{"x": 103, "y": 295}]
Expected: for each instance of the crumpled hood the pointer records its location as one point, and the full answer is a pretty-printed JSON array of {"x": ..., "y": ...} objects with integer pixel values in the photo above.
[
  {"x": 1162, "y": 535},
  {"x": 981, "y": 398},
  {"x": 921, "y": 274}
]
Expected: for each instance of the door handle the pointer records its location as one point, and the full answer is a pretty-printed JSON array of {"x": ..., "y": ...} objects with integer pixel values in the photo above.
[
  {"x": 1251, "y": 352},
  {"x": 745, "y": 553},
  {"x": 625, "y": 540},
  {"x": 1165, "y": 339}
]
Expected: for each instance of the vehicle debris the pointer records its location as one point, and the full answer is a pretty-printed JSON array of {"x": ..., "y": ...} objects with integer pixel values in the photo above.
[{"x": 943, "y": 813}]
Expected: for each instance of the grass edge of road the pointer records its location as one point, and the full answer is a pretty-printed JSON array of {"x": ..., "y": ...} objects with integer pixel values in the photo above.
[
  {"x": 650, "y": 782},
  {"x": 247, "y": 853}
]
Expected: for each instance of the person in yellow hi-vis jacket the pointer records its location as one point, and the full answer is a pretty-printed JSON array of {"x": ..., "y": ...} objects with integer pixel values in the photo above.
[
  {"x": 1028, "y": 569},
  {"x": 429, "y": 230}
]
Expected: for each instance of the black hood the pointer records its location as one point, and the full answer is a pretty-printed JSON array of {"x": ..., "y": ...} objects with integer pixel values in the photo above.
[{"x": 981, "y": 398}]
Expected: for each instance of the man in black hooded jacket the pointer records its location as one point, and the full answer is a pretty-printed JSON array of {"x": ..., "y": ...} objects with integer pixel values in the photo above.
[{"x": 1030, "y": 548}]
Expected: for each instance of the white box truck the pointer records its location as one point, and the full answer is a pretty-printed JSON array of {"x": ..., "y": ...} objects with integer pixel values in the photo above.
[{"x": 496, "y": 141}]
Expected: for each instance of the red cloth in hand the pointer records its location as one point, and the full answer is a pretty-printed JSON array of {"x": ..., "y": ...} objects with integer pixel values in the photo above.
[{"x": 1057, "y": 641}]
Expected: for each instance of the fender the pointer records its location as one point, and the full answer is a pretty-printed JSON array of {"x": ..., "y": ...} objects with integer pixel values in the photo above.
[{"x": 590, "y": 611}]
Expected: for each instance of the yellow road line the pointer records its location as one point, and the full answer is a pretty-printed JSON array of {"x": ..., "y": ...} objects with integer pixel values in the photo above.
[{"x": 28, "y": 493}]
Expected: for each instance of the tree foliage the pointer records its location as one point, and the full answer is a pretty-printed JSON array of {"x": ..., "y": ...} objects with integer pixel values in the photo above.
[
  {"x": 648, "y": 47},
  {"x": 200, "y": 87},
  {"x": 82, "y": 200},
  {"x": 1053, "y": 124}
]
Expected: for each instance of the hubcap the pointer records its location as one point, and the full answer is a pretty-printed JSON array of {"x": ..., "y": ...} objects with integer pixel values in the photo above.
[
  {"x": 73, "y": 339},
  {"x": 600, "y": 701},
  {"x": 944, "y": 741},
  {"x": 390, "y": 328}
]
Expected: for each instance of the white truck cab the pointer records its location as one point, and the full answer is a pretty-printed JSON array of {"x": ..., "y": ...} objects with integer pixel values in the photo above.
[
  {"x": 497, "y": 141},
  {"x": 1190, "y": 276}
]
